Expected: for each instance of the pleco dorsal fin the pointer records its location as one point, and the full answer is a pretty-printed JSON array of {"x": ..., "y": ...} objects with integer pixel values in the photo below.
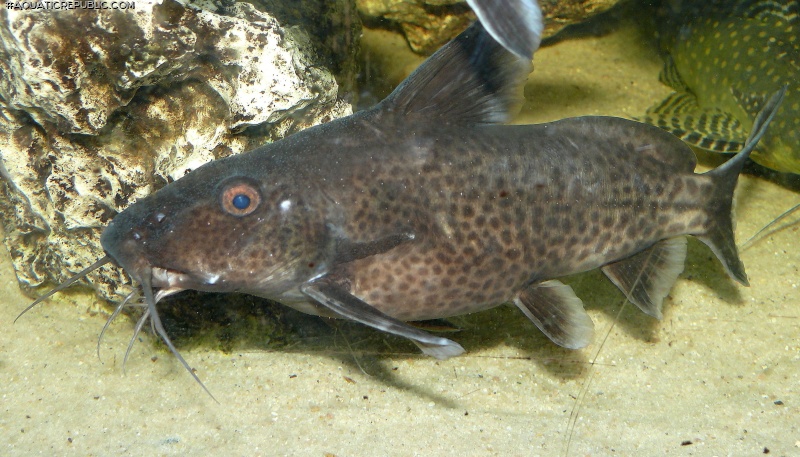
[
  {"x": 515, "y": 24},
  {"x": 647, "y": 277},
  {"x": 558, "y": 313},
  {"x": 470, "y": 80}
]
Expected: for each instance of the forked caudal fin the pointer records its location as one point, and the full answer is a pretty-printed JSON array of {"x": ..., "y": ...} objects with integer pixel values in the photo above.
[{"x": 719, "y": 230}]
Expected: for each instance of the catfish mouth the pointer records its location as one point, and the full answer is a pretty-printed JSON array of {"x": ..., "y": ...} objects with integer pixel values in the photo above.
[{"x": 167, "y": 281}]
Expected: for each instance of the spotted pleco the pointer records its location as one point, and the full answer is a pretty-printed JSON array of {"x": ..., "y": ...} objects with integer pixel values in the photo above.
[{"x": 725, "y": 58}]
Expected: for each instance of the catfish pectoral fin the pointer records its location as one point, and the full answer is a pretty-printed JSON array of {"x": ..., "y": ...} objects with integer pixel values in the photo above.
[
  {"x": 558, "y": 313},
  {"x": 337, "y": 299},
  {"x": 647, "y": 277},
  {"x": 436, "y": 325},
  {"x": 348, "y": 250}
]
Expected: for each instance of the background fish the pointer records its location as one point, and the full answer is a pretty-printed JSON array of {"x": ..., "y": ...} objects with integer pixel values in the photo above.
[{"x": 724, "y": 58}]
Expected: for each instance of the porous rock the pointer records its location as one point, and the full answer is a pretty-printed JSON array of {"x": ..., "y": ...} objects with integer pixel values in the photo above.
[
  {"x": 428, "y": 24},
  {"x": 101, "y": 107}
]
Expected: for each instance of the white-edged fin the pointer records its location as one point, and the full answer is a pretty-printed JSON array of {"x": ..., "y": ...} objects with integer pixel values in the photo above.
[
  {"x": 558, "y": 313},
  {"x": 647, "y": 277},
  {"x": 337, "y": 299},
  {"x": 438, "y": 351},
  {"x": 515, "y": 24},
  {"x": 470, "y": 80}
]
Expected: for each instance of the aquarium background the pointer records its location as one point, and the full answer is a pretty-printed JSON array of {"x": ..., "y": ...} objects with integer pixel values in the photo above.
[{"x": 719, "y": 375}]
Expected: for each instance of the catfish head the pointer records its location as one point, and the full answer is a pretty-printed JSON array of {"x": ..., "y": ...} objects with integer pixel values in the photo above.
[{"x": 241, "y": 224}]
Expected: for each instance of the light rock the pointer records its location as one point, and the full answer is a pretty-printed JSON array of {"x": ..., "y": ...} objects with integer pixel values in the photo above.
[{"x": 101, "y": 107}]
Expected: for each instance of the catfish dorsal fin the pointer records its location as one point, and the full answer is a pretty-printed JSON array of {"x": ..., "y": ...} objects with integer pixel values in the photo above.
[
  {"x": 471, "y": 80},
  {"x": 515, "y": 24}
]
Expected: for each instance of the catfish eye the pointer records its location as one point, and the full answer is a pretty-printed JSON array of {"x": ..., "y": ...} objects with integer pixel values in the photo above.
[{"x": 240, "y": 199}]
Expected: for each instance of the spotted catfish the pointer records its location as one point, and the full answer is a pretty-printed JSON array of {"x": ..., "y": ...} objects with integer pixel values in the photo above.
[{"x": 425, "y": 207}]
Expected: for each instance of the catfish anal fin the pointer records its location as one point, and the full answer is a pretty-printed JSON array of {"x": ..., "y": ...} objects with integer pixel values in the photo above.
[
  {"x": 647, "y": 277},
  {"x": 558, "y": 313},
  {"x": 337, "y": 299}
]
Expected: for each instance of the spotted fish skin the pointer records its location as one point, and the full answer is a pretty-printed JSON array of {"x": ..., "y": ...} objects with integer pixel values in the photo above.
[
  {"x": 500, "y": 214},
  {"x": 425, "y": 207},
  {"x": 724, "y": 58}
]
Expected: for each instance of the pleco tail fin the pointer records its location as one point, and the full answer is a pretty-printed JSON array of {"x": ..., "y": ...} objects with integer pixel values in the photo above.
[{"x": 719, "y": 231}]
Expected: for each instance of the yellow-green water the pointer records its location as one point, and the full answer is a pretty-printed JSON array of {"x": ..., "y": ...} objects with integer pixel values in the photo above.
[{"x": 719, "y": 375}]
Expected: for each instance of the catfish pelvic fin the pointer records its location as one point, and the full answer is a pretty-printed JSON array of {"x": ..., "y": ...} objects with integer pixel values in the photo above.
[
  {"x": 558, "y": 313},
  {"x": 718, "y": 234},
  {"x": 471, "y": 80},
  {"x": 647, "y": 277}
]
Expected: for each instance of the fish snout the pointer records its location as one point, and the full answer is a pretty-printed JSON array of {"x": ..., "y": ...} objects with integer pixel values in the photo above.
[{"x": 127, "y": 238}]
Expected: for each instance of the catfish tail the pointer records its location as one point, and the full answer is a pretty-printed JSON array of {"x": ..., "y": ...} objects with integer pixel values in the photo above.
[{"x": 719, "y": 229}]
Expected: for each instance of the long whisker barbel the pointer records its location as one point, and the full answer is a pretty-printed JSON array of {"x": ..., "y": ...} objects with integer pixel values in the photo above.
[{"x": 104, "y": 260}]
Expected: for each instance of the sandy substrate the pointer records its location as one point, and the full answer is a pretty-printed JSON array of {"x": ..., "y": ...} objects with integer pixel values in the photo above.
[{"x": 719, "y": 375}]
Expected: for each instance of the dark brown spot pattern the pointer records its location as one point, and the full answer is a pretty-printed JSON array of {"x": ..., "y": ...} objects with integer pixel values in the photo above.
[
  {"x": 480, "y": 212},
  {"x": 522, "y": 216}
]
